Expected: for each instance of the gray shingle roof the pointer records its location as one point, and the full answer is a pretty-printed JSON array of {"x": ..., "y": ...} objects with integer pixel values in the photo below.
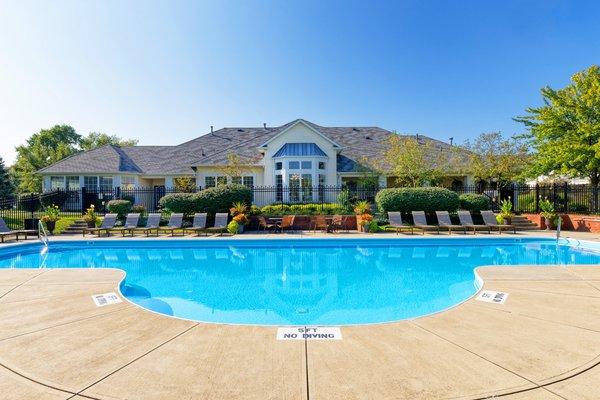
[{"x": 357, "y": 143}]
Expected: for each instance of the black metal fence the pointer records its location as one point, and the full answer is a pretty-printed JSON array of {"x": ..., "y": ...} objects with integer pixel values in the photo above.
[{"x": 22, "y": 210}]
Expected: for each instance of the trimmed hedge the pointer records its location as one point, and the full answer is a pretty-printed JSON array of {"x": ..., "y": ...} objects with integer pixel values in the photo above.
[
  {"x": 212, "y": 200},
  {"x": 119, "y": 207},
  {"x": 303, "y": 209},
  {"x": 428, "y": 199},
  {"x": 474, "y": 202}
]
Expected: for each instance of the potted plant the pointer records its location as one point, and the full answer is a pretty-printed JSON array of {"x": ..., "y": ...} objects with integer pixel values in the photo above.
[
  {"x": 51, "y": 215},
  {"x": 506, "y": 214},
  {"x": 362, "y": 209},
  {"x": 548, "y": 213},
  {"x": 233, "y": 227},
  {"x": 90, "y": 217},
  {"x": 238, "y": 211},
  {"x": 365, "y": 222}
]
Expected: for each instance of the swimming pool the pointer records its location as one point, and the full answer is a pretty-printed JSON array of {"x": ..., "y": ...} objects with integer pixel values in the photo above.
[{"x": 299, "y": 281}]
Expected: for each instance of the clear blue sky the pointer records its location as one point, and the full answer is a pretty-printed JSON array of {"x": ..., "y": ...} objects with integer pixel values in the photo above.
[{"x": 163, "y": 72}]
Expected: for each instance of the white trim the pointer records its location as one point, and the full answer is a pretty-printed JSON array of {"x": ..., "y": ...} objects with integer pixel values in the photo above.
[{"x": 303, "y": 122}]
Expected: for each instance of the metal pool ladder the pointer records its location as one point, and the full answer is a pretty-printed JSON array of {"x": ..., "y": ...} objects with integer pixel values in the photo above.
[{"x": 42, "y": 234}]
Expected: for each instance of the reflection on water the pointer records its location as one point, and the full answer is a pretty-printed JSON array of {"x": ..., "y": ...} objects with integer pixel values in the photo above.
[{"x": 297, "y": 285}]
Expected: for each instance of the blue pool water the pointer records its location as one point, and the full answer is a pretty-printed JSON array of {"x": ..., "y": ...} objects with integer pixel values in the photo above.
[{"x": 298, "y": 282}]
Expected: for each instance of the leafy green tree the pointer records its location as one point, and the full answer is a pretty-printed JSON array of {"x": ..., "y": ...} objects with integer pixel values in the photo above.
[
  {"x": 491, "y": 157},
  {"x": 6, "y": 184},
  {"x": 414, "y": 162},
  {"x": 42, "y": 149},
  {"x": 565, "y": 131},
  {"x": 97, "y": 139}
]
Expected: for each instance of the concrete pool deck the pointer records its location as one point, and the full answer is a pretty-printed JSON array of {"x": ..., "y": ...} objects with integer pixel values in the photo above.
[{"x": 543, "y": 343}]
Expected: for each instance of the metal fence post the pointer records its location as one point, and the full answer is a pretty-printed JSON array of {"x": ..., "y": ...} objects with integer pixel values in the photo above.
[
  {"x": 566, "y": 200},
  {"x": 537, "y": 197}
]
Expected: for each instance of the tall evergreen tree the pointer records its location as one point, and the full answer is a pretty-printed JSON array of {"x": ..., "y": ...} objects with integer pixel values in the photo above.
[{"x": 6, "y": 185}]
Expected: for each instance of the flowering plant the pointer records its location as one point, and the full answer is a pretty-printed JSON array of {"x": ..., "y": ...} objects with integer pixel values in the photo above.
[
  {"x": 365, "y": 219},
  {"x": 90, "y": 215},
  {"x": 52, "y": 214},
  {"x": 238, "y": 212}
]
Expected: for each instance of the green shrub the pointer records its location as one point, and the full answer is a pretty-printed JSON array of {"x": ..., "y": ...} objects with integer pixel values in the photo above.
[
  {"x": 212, "y": 200},
  {"x": 254, "y": 210},
  {"x": 343, "y": 199},
  {"x": 474, "y": 202},
  {"x": 578, "y": 207},
  {"x": 138, "y": 208},
  {"x": 374, "y": 227},
  {"x": 303, "y": 209},
  {"x": 129, "y": 198},
  {"x": 428, "y": 199},
  {"x": 232, "y": 227},
  {"x": 119, "y": 207},
  {"x": 178, "y": 203}
]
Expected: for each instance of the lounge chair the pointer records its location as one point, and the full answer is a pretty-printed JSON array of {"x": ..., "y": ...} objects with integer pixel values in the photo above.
[
  {"x": 444, "y": 221},
  {"x": 108, "y": 223},
  {"x": 131, "y": 222},
  {"x": 338, "y": 223},
  {"x": 266, "y": 225},
  {"x": 396, "y": 223},
  {"x": 6, "y": 231},
  {"x": 175, "y": 222},
  {"x": 220, "y": 225},
  {"x": 152, "y": 224},
  {"x": 287, "y": 222},
  {"x": 467, "y": 221},
  {"x": 489, "y": 218},
  {"x": 319, "y": 223},
  {"x": 199, "y": 224},
  {"x": 420, "y": 222}
]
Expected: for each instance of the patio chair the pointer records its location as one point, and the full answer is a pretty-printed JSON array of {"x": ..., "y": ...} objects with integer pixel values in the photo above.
[
  {"x": 107, "y": 224},
  {"x": 266, "y": 225},
  {"x": 489, "y": 218},
  {"x": 287, "y": 222},
  {"x": 319, "y": 223},
  {"x": 152, "y": 224},
  {"x": 131, "y": 222},
  {"x": 220, "y": 225},
  {"x": 175, "y": 223},
  {"x": 338, "y": 223},
  {"x": 198, "y": 225},
  {"x": 6, "y": 231},
  {"x": 467, "y": 221},
  {"x": 396, "y": 223},
  {"x": 420, "y": 222},
  {"x": 444, "y": 221}
]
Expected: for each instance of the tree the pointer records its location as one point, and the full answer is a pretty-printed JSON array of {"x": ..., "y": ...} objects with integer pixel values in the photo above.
[
  {"x": 6, "y": 185},
  {"x": 565, "y": 131},
  {"x": 491, "y": 157},
  {"x": 42, "y": 149},
  {"x": 416, "y": 162},
  {"x": 185, "y": 184},
  {"x": 235, "y": 167},
  {"x": 97, "y": 139}
]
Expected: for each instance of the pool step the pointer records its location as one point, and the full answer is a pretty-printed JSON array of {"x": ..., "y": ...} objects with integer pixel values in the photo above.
[
  {"x": 523, "y": 224},
  {"x": 75, "y": 227}
]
